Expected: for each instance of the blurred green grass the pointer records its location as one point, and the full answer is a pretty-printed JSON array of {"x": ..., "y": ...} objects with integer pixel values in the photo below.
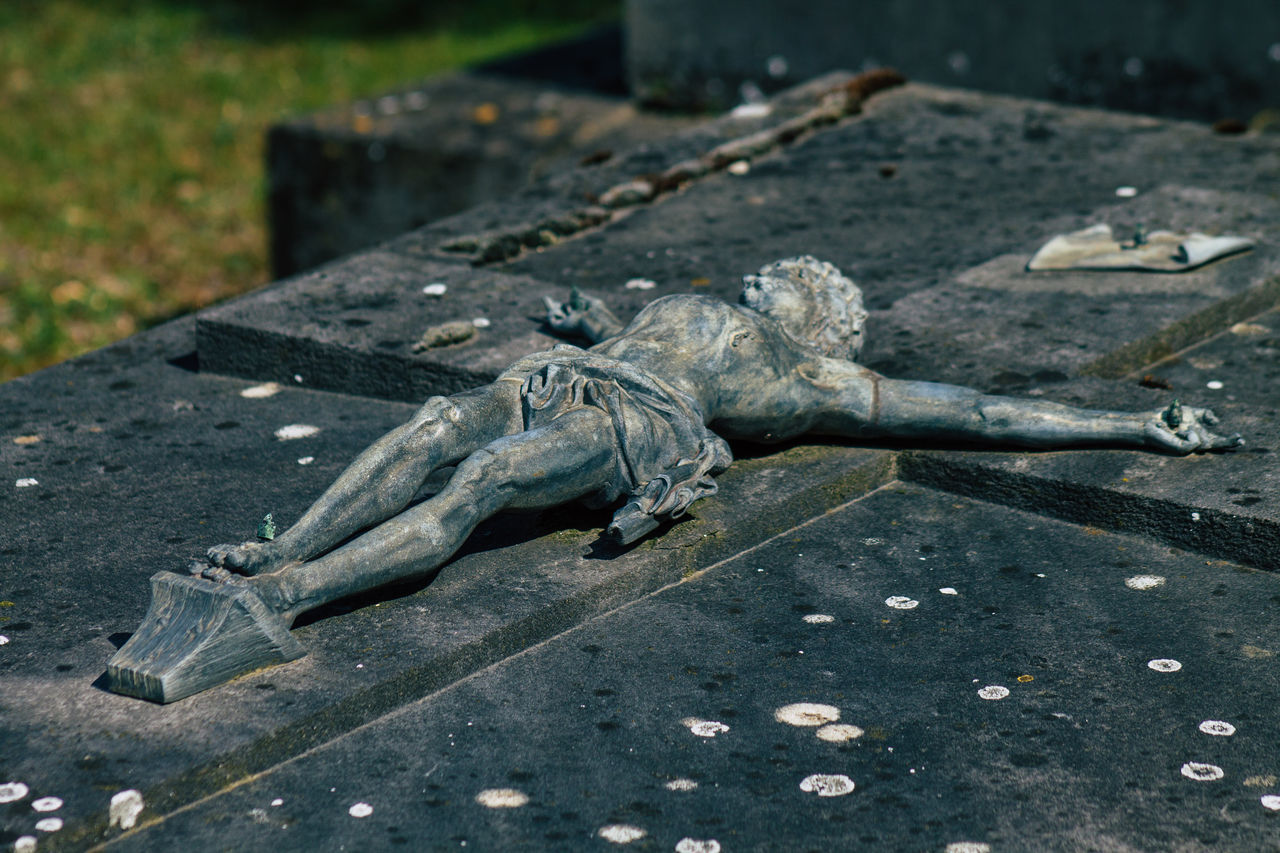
[{"x": 131, "y": 178}]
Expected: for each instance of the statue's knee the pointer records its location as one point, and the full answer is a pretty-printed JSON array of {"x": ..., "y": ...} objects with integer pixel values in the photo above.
[
  {"x": 484, "y": 466},
  {"x": 435, "y": 410}
]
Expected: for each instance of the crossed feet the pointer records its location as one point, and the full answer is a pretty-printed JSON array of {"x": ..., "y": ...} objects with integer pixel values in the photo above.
[{"x": 250, "y": 564}]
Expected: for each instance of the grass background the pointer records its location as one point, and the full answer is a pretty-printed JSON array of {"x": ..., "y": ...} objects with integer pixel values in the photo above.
[{"x": 131, "y": 139}]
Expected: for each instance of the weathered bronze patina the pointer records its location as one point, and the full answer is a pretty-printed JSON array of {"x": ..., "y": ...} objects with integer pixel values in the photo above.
[{"x": 639, "y": 417}]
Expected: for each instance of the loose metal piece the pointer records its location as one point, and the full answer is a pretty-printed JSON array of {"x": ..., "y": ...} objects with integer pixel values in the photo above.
[
  {"x": 640, "y": 417},
  {"x": 1094, "y": 248}
]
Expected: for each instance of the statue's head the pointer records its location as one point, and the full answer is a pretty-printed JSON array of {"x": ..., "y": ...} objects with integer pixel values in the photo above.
[{"x": 812, "y": 300}]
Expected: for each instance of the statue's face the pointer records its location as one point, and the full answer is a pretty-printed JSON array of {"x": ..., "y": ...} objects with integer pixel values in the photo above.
[
  {"x": 811, "y": 300},
  {"x": 779, "y": 297}
]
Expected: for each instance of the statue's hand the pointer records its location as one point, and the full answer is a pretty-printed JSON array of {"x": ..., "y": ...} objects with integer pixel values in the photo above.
[
  {"x": 1186, "y": 430},
  {"x": 564, "y": 317},
  {"x": 582, "y": 316}
]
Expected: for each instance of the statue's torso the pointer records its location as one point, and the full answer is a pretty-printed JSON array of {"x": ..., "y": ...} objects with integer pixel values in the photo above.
[{"x": 739, "y": 366}]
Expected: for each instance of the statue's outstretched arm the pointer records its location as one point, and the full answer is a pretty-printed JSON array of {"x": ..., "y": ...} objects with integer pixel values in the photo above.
[
  {"x": 583, "y": 317},
  {"x": 933, "y": 410},
  {"x": 861, "y": 403}
]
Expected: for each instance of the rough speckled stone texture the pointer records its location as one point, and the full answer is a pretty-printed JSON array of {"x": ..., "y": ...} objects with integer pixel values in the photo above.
[
  {"x": 1085, "y": 752},
  {"x": 1222, "y": 504},
  {"x": 141, "y": 462},
  {"x": 1194, "y": 60},
  {"x": 352, "y": 176}
]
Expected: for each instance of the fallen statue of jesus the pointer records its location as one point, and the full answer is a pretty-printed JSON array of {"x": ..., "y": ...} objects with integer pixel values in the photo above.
[{"x": 642, "y": 414}]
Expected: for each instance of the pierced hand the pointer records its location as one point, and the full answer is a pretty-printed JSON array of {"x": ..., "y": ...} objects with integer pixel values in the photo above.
[
  {"x": 583, "y": 316},
  {"x": 565, "y": 317},
  {"x": 1186, "y": 430}
]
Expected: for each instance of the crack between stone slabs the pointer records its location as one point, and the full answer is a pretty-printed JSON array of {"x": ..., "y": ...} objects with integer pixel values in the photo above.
[
  {"x": 839, "y": 102},
  {"x": 1253, "y": 542},
  {"x": 405, "y": 707},
  {"x": 1188, "y": 332}
]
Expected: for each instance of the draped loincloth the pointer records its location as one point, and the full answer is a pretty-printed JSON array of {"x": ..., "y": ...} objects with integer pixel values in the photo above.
[{"x": 664, "y": 453}]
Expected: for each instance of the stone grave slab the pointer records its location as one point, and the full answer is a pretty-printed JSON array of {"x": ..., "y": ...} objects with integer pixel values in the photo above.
[
  {"x": 1223, "y": 505},
  {"x": 1042, "y": 689},
  {"x": 141, "y": 464},
  {"x": 352, "y": 326},
  {"x": 352, "y": 176},
  {"x": 151, "y": 462}
]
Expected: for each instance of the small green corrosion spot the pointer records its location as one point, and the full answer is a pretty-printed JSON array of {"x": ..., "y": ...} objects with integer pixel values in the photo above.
[{"x": 267, "y": 528}]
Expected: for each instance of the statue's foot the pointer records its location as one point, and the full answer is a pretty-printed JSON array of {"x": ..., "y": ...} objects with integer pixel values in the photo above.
[{"x": 249, "y": 558}]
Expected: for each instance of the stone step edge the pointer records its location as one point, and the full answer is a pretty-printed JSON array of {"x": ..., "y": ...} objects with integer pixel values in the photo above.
[
  {"x": 1187, "y": 332},
  {"x": 1250, "y": 541}
]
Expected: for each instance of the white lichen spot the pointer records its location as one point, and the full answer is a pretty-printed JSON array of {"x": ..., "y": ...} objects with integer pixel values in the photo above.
[
  {"x": 807, "y": 714},
  {"x": 621, "y": 833},
  {"x": 435, "y": 288},
  {"x": 47, "y": 804},
  {"x": 759, "y": 110},
  {"x": 901, "y": 602},
  {"x": 1126, "y": 192},
  {"x": 948, "y": 590},
  {"x": 1164, "y": 665},
  {"x": 968, "y": 847},
  {"x": 360, "y": 810},
  {"x": 704, "y": 728},
  {"x": 681, "y": 785},
  {"x": 1195, "y": 516},
  {"x": 739, "y": 167},
  {"x": 872, "y": 540},
  {"x": 277, "y": 802},
  {"x": 993, "y": 692},
  {"x": 11, "y": 792},
  {"x": 819, "y": 618},
  {"x": 694, "y": 845},
  {"x": 306, "y": 460},
  {"x": 827, "y": 785},
  {"x": 1249, "y": 329},
  {"x": 26, "y": 483},
  {"x": 1271, "y": 801},
  {"x": 292, "y": 431},
  {"x": 838, "y": 733},
  {"x": 25, "y": 844},
  {"x": 259, "y": 392},
  {"x": 297, "y": 377},
  {"x": 481, "y": 322},
  {"x": 125, "y": 808},
  {"x": 4, "y": 641},
  {"x": 1144, "y": 581},
  {"x": 1214, "y": 385},
  {"x": 640, "y": 284},
  {"x": 49, "y": 824},
  {"x": 1202, "y": 772},
  {"x": 502, "y": 798},
  {"x": 1219, "y": 728}
]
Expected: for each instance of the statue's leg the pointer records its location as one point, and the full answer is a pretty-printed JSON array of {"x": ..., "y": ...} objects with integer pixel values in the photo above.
[
  {"x": 384, "y": 478},
  {"x": 572, "y": 456}
]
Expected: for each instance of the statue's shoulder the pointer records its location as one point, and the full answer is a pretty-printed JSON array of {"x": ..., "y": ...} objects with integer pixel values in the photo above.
[{"x": 687, "y": 305}]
